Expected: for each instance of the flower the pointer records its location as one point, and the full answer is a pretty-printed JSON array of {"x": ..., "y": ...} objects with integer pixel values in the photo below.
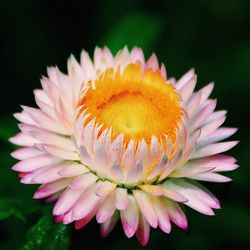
[{"x": 115, "y": 138}]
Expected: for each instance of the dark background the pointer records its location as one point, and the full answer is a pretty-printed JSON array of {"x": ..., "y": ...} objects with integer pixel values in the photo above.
[{"x": 212, "y": 36}]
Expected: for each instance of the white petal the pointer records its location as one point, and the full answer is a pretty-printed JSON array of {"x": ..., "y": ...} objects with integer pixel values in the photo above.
[
  {"x": 83, "y": 181},
  {"x": 52, "y": 139},
  {"x": 61, "y": 153},
  {"x": 202, "y": 115},
  {"x": 104, "y": 188},
  {"x": 211, "y": 127},
  {"x": 85, "y": 157},
  {"x": 36, "y": 162},
  {"x": 116, "y": 172},
  {"x": 48, "y": 175},
  {"x": 155, "y": 190},
  {"x": 100, "y": 61},
  {"x": 215, "y": 116},
  {"x": 87, "y": 65},
  {"x": 101, "y": 161},
  {"x": 116, "y": 148},
  {"x": 121, "y": 198},
  {"x": 24, "y": 118},
  {"x": 152, "y": 62},
  {"x": 187, "y": 171},
  {"x": 184, "y": 79},
  {"x": 22, "y": 139},
  {"x": 137, "y": 55},
  {"x": 163, "y": 71},
  {"x": 193, "y": 104},
  {"x": 135, "y": 174},
  {"x": 219, "y": 135},
  {"x": 88, "y": 136},
  {"x": 26, "y": 153},
  {"x": 41, "y": 96},
  {"x": 213, "y": 149},
  {"x": 73, "y": 169},
  {"x": 211, "y": 177},
  {"x": 206, "y": 91},
  {"x": 187, "y": 89},
  {"x": 170, "y": 166},
  {"x": 172, "y": 194},
  {"x": 128, "y": 156},
  {"x": 44, "y": 121}
]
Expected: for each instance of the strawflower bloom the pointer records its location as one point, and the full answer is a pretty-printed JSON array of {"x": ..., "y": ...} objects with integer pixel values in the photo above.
[{"x": 116, "y": 139}]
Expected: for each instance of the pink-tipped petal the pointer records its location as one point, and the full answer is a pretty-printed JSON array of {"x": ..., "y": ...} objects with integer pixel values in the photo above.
[
  {"x": 143, "y": 231},
  {"x": 83, "y": 222},
  {"x": 176, "y": 214},
  {"x": 146, "y": 207},
  {"x": 163, "y": 218},
  {"x": 51, "y": 188},
  {"x": 197, "y": 198},
  {"x": 85, "y": 204},
  {"x": 66, "y": 201},
  {"x": 130, "y": 217},
  {"x": 108, "y": 225},
  {"x": 106, "y": 209}
]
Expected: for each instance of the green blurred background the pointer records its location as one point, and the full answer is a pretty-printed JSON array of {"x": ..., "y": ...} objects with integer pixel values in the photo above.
[{"x": 212, "y": 36}]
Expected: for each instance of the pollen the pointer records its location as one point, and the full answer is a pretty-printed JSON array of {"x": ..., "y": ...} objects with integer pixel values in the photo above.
[{"x": 137, "y": 103}]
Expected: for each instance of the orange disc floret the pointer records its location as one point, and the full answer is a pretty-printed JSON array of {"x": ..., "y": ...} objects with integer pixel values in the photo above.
[{"x": 137, "y": 103}]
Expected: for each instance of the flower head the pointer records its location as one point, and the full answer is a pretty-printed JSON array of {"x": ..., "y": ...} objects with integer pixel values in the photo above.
[{"x": 115, "y": 138}]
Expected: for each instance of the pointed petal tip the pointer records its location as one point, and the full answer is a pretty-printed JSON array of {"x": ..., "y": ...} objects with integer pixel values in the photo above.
[
  {"x": 14, "y": 168},
  {"x": 184, "y": 225},
  {"x": 144, "y": 242},
  {"x": 58, "y": 219},
  {"x": 37, "y": 195}
]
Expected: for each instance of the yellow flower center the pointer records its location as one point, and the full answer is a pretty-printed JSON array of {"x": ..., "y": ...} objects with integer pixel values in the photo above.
[{"x": 137, "y": 103}]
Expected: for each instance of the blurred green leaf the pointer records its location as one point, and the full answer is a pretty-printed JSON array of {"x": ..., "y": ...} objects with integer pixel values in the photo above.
[
  {"x": 8, "y": 208},
  {"x": 137, "y": 29},
  {"x": 47, "y": 235},
  {"x": 7, "y": 128}
]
